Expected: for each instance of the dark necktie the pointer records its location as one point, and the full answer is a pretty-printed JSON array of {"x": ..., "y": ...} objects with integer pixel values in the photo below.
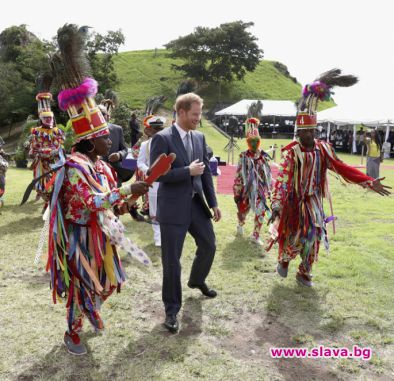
[{"x": 188, "y": 147}]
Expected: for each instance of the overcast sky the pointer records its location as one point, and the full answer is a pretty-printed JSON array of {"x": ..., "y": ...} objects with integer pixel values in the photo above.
[{"x": 309, "y": 36}]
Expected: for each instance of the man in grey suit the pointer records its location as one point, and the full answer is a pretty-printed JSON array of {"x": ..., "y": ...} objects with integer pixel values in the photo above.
[
  {"x": 117, "y": 153},
  {"x": 118, "y": 150},
  {"x": 183, "y": 195}
]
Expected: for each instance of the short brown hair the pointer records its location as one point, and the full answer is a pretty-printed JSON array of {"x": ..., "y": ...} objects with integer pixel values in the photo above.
[{"x": 185, "y": 101}]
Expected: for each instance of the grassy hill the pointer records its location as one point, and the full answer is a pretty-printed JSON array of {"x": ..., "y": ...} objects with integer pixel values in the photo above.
[{"x": 146, "y": 73}]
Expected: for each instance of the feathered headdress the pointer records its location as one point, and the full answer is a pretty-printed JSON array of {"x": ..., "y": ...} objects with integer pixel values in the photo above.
[
  {"x": 44, "y": 97},
  {"x": 319, "y": 90},
  {"x": 78, "y": 89}
]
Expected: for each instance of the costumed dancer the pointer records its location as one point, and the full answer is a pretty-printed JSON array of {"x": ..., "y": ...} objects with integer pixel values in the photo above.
[
  {"x": 84, "y": 234},
  {"x": 301, "y": 185},
  {"x": 252, "y": 183},
  {"x": 4, "y": 157},
  {"x": 153, "y": 124},
  {"x": 46, "y": 142}
]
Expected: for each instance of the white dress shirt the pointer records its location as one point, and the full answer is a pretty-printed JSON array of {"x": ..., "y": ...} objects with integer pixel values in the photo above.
[{"x": 183, "y": 135}]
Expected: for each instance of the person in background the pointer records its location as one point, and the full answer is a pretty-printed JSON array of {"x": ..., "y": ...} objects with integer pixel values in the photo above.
[
  {"x": 46, "y": 144},
  {"x": 134, "y": 129},
  {"x": 252, "y": 183},
  {"x": 4, "y": 157},
  {"x": 374, "y": 154},
  {"x": 116, "y": 154}
]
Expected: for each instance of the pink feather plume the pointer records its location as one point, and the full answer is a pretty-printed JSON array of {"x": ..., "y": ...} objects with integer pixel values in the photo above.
[{"x": 75, "y": 96}]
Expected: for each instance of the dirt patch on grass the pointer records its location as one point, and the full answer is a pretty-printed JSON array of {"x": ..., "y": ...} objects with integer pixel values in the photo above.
[{"x": 252, "y": 337}]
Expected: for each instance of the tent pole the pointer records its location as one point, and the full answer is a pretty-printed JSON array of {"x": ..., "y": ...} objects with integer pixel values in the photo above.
[
  {"x": 386, "y": 138},
  {"x": 328, "y": 131},
  {"x": 354, "y": 145}
]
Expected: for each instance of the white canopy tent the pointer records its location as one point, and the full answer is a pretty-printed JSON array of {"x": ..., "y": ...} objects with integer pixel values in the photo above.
[
  {"x": 352, "y": 114},
  {"x": 348, "y": 114},
  {"x": 270, "y": 108},
  {"x": 341, "y": 115}
]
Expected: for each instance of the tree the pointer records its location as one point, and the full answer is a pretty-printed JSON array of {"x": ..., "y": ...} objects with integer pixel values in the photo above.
[
  {"x": 218, "y": 54},
  {"x": 13, "y": 40},
  {"x": 22, "y": 57},
  {"x": 101, "y": 50},
  {"x": 185, "y": 87},
  {"x": 25, "y": 50},
  {"x": 15, "y": 94}
]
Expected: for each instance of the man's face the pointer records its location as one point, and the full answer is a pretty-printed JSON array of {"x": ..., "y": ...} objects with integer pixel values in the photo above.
[
  {"x": 189, "y": 120},
  {"x": 307, "y": 137}
]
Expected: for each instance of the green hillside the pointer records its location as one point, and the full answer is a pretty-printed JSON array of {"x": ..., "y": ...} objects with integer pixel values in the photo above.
[{"x": 145, "y": 73}]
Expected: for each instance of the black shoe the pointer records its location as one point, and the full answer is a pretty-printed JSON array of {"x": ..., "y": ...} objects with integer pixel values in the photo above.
[
  {"x": 204, "y": 289},
  {"x": 136, "y": 216},
  {"x": 171, "y": 323},
  {"x": 145, "y": 212}
]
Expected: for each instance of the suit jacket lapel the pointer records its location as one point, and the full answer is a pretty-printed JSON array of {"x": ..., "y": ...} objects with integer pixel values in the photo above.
[{"x": 179, "y": 144}]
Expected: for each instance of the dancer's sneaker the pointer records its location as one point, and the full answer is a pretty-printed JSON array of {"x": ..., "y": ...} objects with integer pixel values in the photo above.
[
  {"x": 304, "y": 280},
  {"x": 256, "y": 240},
  {"x": 73, "y": 344},
  {"x": 240, "y": 230},
  {"x": 282, "y": 269}
]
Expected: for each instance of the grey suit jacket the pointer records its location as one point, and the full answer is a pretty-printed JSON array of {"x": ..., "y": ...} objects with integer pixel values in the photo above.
[
  {"x": 176, "y": 187},
  {"x": 118, "y": 146},
  {"x": 117, "y": 138}
]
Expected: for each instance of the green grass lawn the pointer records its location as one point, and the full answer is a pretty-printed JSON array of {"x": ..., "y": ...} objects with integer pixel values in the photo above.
[{"x": 227, "y": 338}]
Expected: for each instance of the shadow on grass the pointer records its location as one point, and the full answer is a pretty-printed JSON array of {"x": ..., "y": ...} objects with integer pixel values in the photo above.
[
  {"x": 293, "y": 316},
  {"x": 22, "y": 226},
  {"x": 30, "y": 207},
  {"x": 23, "y": 218},
  {"x": 60, "y": 365},
  {"x": 35, "y": 280},
  {"x": 144, "y": 358},
  {"x": 239, "y": 251}
]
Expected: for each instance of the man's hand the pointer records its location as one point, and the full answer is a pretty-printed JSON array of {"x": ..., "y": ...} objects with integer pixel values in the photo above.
[
  {"x": 275, "y": 214},
  {"x": 196, "y": 168},
  {"x": 139, "y": 188},
  {"x": 217, "y": 214},
  {"x": 114, "y": 157},
  {"x": 378, "y": 187}
]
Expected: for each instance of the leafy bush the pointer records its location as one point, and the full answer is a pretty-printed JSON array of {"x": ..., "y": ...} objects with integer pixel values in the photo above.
[{"x": 69, "y": 135}]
